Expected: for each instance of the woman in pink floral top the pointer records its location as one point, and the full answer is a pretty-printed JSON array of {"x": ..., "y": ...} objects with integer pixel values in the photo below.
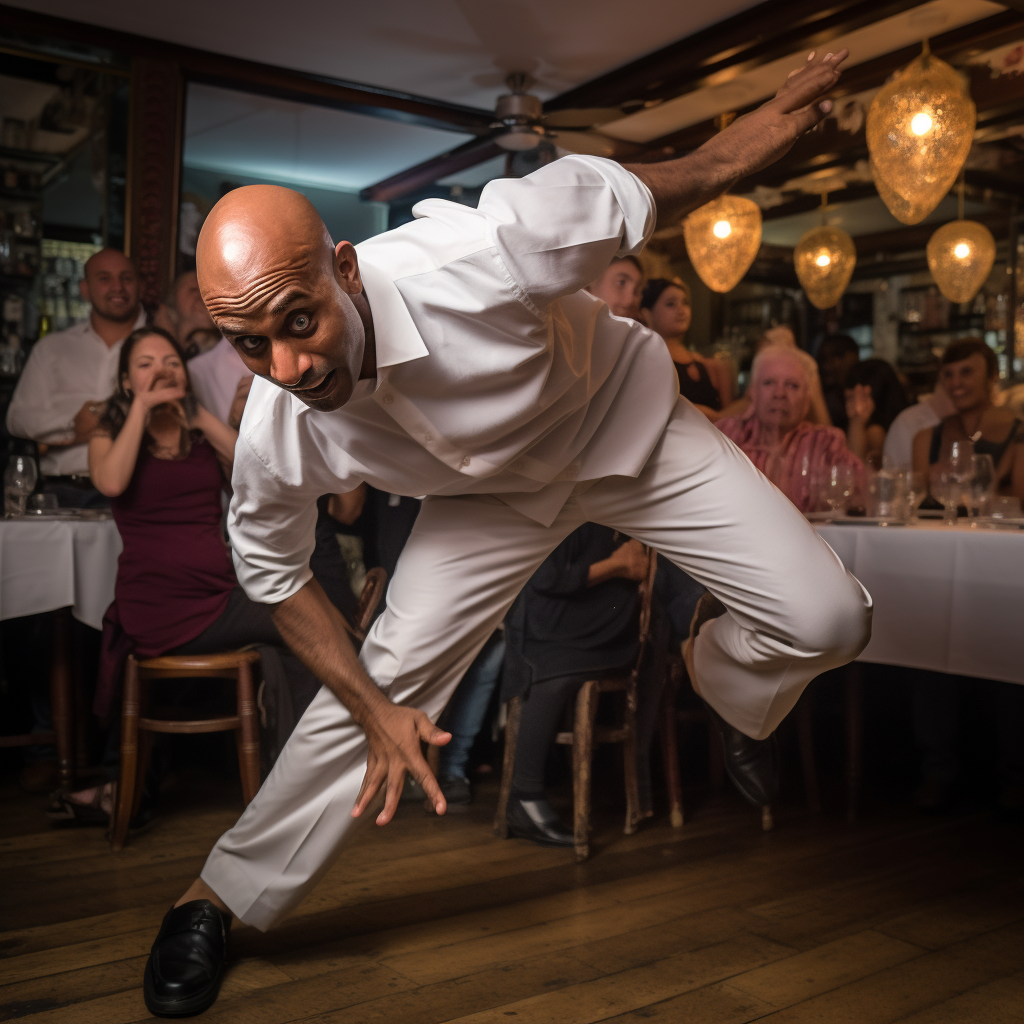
[{"x": 774, "y": 433}]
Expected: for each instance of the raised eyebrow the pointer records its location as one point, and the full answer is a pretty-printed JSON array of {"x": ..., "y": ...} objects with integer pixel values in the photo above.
[{"x": 289, "y": 297}]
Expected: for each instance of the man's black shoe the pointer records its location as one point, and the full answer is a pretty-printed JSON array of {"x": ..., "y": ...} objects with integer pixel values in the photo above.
[
  {"x": 456, "y": 789},
  {"x": 752, "y": 765},
  {"x": 537, "y": 821},
  {"x": 186, "y": 963}
]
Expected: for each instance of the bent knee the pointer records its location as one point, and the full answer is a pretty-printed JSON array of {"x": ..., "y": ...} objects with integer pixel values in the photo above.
[{"x": 837, "y": 623}]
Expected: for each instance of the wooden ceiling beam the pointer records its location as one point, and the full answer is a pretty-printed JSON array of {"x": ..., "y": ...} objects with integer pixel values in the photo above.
[
  {"x": 252, "y": 76},
  {"x": 752, "y": 38},
  {"x": 474, "y": 152}
]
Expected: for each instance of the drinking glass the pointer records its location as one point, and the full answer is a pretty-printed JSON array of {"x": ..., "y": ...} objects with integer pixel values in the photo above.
[
  {"x": 917, "y": 488},
  {"x": 983, "y": 485},
  {"x": 838, "y": 487},
  {"x": 948, "y": 490},
  {"x": 19, "y": 479}
]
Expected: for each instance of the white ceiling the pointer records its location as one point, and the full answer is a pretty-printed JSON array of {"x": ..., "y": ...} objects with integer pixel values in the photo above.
[
  {"x": 455, "y": 50},
  {"x": 241, "y": 133}
]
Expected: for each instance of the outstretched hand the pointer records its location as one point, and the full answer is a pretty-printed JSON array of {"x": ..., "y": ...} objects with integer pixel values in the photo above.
[
  {"x": 394, "y": 736},
  {"x": 764, "y": 135}
]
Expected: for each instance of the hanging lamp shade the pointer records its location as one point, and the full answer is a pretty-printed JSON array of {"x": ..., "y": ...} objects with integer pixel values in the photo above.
[
  {"x": 919, "y": 130},
  {"x": 722, "y": 239},
  {"x": 960, "y": 257},
  {"x": 824, "y": 259}
]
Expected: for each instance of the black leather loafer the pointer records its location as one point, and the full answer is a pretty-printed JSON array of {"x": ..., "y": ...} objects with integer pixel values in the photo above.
[
  {"x": 186, "y": 963},
  {"x": 752, "y": 765},
  {"x": 537, "y": 821}
]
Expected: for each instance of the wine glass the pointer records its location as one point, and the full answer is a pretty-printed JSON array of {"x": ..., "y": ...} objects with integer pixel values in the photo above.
[
  {"x": 19, "y": 479},
  {"x": 838, "y": 486},
  {"x": 983, "y": 485}
]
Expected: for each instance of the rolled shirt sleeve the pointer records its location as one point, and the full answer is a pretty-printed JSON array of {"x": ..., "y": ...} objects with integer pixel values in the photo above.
[{"x": 557, "y": 229}]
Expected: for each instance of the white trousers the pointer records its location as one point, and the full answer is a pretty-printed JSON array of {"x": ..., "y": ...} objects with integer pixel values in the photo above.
[{"x": 793, "y": 612}]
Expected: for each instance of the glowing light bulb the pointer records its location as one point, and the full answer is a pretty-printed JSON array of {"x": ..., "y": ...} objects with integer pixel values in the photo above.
[
  {"x": 921, "y": 124},
  {"x": 962, "y": 251},
  {"x": 722, "y": 229},
  {"x": 823, "y": 259}
]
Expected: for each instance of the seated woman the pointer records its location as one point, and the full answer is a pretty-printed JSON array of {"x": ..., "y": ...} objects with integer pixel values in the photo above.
[
  {"x": 774, "y": 432},
  {"x": 665, "y": 308},
  {"x": 874, "y": 398},
  {"x": 576, "y": 619},
  {"x": 968, "y": 374},
  {"x": 163, "y": 460}
]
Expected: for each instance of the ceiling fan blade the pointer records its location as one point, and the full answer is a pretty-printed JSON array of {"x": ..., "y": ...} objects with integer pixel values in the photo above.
[
  {"x": 587, "y": 143},
  {"x": 582, "y": 118}
]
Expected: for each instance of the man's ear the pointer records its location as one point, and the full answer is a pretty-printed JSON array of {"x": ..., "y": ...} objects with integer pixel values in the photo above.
[{"x": 346, "y": 268}]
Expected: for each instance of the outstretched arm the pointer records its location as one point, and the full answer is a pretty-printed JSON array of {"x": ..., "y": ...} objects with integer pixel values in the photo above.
[
  {"x": 748, "y": 144},
  {"x": 314, "y": 629}
]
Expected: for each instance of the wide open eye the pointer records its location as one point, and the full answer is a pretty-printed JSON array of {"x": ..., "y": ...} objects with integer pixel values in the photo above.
[
  {"x": 300, "y": 322},
  {"x": 250, "y": 343}
]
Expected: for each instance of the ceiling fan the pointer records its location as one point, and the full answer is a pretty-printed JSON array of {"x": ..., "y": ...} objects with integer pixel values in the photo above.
[{"x": 521, "y": 124}]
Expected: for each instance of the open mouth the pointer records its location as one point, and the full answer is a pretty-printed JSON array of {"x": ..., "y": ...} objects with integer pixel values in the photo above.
[{"x": 321, "y": 390}]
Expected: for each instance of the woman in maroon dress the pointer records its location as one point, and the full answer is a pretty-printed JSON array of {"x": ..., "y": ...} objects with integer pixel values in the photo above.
[{"x": 163, "y": 460}]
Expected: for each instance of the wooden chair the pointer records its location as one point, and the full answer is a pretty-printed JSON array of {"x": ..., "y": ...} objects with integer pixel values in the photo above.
[
  {"x": 586, "y": 733},
  {"x": 138, "y": 724}
]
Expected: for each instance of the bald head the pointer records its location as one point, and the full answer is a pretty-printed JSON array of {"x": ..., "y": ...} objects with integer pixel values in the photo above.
[{"x": 286, "y": 297}]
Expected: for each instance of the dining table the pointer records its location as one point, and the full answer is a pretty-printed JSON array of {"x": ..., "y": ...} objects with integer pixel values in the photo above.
[
  {"x": 948, "y": 598},
  {"x": 64, "y": 562}
]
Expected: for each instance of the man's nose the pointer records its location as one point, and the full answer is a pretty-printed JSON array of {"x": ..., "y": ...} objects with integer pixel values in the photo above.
[{"x": 286, "y": 364}]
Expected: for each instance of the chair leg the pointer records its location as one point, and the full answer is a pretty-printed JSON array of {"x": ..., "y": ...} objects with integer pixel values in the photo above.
[
  {"x": 669, "y": 728},
  {"x": 582, "y": 757},
  {"x": 141, "y": 764},
  {"x": 805, "y": 728},
  {"x": 61, "y": 699},
  {"x": 507, "y": 766},
  {"x": 129, "y": 757},
  {"x": 629, "y": 770},
  {"x": 854, "y": 739},
  {"x": 248, "y": 737}
]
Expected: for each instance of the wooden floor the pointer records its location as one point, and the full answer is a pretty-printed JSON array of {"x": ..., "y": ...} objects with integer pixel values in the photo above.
[{"x": 899, "y": 918}]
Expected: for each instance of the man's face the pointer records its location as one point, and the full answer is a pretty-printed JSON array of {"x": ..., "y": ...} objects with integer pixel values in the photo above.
[
  {"x": 111, "y": 286},
  {"x": 620, "y": 287},
  {"x": 780, "y": 394},
  {"x": 295, "y": 324}
]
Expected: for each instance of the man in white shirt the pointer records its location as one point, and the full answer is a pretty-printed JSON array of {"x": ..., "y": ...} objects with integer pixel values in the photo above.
[
  {"x": 221, "y": 381},
  {"x": 70, "y": 374},
  {"x": 459, "y": 357},
  {"x": 928, "y": 411}
]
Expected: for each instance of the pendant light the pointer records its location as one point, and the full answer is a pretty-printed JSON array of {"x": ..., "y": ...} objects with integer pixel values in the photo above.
[
  {"x": 723, "y": 236},
  {"x": 920, "y": 126},
  {"x": 960, "y": 256},
  {"x": 824, "y": 259}
]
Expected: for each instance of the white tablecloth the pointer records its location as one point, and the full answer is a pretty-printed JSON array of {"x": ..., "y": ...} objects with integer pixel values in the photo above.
[
  {"x": 49, "y": 564},
  {"x": 946, "y": 598}
]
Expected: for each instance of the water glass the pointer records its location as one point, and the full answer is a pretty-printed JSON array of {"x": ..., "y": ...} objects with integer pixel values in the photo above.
[
  {"x": 948, "y": 490},
  {"x": 837, "y": 487},
  {"x": 890, "y": 493},
  {"x": 983, "y": 486},
  {"x": 917, "y": 488},
  {"x": 19, "y": 479}
]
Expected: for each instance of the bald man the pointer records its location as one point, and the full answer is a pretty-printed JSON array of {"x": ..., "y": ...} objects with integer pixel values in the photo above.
[
  {"x": 459, "y": 357},
  {"x": 69, "y": 374}
]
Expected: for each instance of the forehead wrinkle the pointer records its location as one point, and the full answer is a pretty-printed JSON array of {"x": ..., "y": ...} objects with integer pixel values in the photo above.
[{"x": 255, "y": 295}]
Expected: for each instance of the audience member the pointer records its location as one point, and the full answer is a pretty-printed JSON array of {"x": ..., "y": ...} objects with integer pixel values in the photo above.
[
  {"x": 927, "y": 412},
  {"x": 775, "y": 434},
  {"x": 874, "y": 398},
  {"x": 221, "y": 381},
  {"x": 59, "y": 398},
  {"x": 621, "y": 286},
  {"x": 969, "y": 372},
  {"x": 836, "y": 355},
  {"x": 162, "y": 459},
  {"x": 184, "y": 315},
  {"x": 576, "y": 619},
  {"x": 665, "y": 308}
]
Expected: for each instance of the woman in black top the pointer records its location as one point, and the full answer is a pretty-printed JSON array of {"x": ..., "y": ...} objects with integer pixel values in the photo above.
[
  {"x": 576, "y": 619},
  {"x": 665, "y": 308},
  {"x": 969, "y": 371}
]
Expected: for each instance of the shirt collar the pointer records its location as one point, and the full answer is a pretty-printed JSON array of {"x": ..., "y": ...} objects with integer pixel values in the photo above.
[
  {"x": 395, "y": 335},
  {"x": 89, "y": 332}
]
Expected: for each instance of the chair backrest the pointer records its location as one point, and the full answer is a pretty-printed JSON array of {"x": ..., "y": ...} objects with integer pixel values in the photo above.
[{"x": 373, "y": 590}]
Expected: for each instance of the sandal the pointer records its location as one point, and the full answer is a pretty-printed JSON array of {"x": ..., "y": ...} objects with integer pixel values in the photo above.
[{"x": 64, "y": 812}]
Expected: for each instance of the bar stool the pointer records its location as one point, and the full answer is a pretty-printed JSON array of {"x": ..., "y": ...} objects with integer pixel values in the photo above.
[{"x": 138, "y": 725}]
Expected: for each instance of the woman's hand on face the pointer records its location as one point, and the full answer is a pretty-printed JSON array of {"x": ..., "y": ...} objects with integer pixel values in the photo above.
[
  {"x": 860, "y": 406},
  {"x": 159, "y": 390}
]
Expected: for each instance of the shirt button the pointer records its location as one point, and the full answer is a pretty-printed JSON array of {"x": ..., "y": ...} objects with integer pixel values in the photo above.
[
  {"x": 465, "y": 461},
  {"x": 388, "y": 398}
]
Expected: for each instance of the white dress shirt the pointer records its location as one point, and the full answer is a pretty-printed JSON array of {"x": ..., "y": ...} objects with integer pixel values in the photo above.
[
  {"x": 496, "y": 372},
  {"x": 64, "y": 371},
  {"x": 899, "y": 439},
  {"x": 215, "y": 376}
]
